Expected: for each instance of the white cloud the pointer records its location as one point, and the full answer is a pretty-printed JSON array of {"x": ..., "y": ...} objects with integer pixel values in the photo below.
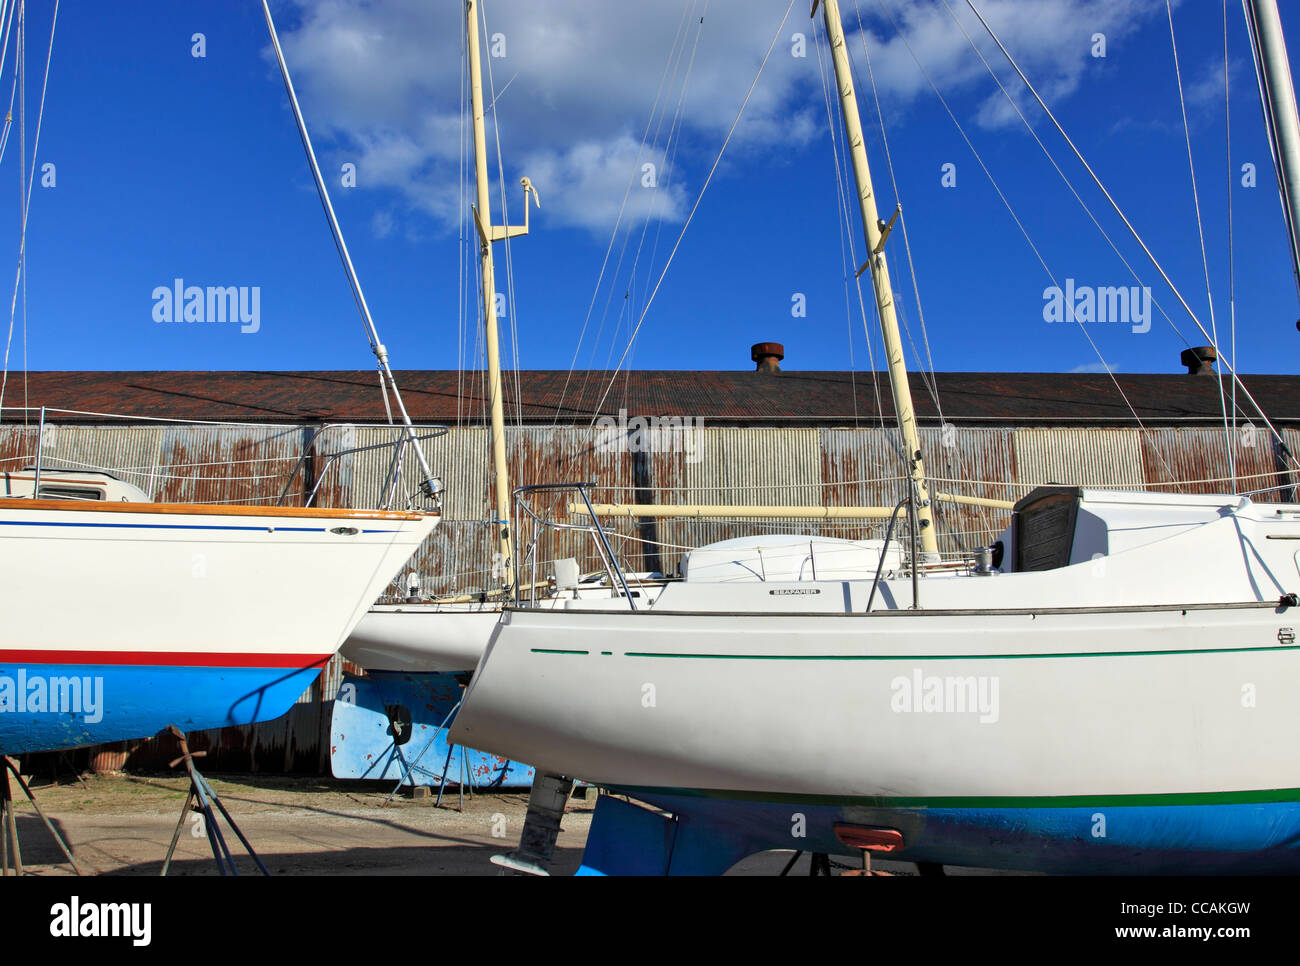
[
  {"x": 381, "y": 85},
  {"x": 1095, "y": 367},
  {"x": 1051, "y": 40},
  {"x": 589, "y": 182}
]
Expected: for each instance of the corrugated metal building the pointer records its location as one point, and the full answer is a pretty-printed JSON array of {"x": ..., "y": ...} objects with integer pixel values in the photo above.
[{"x": 788, "y": 438}]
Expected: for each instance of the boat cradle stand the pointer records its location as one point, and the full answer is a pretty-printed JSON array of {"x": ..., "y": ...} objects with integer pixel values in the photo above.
[
  {"x": 200, "y": 800},
  {"x": 11, "y": 856}
]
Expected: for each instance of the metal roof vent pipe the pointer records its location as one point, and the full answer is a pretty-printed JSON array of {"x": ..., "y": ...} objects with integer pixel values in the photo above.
[
  {"x": 1199, "y": 360},
  {"x": 767, "y": 356}
]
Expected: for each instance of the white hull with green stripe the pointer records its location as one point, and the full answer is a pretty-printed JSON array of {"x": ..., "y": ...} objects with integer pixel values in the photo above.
[{"x": 1079, "y": 715}]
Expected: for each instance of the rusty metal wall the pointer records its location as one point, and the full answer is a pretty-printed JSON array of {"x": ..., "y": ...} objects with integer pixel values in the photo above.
[
  {"x": 1080, "y": 457},
  {"x": 797, "y": 466},
  {"x": 172, "y": 464}
]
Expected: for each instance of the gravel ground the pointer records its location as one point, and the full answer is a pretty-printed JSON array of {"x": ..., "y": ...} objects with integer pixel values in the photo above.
[{"x": 122, "y": 824}]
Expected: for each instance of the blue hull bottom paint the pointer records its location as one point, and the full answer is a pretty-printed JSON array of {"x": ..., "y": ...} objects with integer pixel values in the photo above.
[
  {"x": 706, "y": 836},
  {"x": 50, "y": 707},
  {"x": 362, "y": 744}
]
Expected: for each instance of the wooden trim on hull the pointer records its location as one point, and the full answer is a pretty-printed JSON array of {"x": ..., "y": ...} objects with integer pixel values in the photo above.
[{"x": 200, "y": 509}]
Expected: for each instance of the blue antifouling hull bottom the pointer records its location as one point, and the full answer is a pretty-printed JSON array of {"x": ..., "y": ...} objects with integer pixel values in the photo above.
[
  {"x": 50, "y": 707},
  {"x": 392, "y": 726},
  {"x": 708, "y": 835}
]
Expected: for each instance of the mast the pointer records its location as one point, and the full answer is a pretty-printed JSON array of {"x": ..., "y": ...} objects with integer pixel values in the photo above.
[
  {"x": 1277, "y": 94},
  {"x": 876, "y": 231},
  {"x": 487, "y": 235}
]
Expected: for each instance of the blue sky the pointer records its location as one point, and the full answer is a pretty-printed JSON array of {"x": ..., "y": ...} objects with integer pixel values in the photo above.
[{"x": 168, "y": 165}]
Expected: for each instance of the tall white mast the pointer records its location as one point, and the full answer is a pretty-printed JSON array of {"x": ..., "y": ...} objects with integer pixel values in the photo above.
[
  {"x": 876, "y": 231},
  {"x": 487, "y": 235},
  {"x": 1277, "y": 94}
]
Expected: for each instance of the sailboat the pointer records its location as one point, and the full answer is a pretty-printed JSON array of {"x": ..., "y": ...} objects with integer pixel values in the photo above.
[
  {"x": 122, "y": 616},
  {"x": 1107, "y": 689},
  {"x": 440, "y": 636},
  {"x": 416, "y": 653}
]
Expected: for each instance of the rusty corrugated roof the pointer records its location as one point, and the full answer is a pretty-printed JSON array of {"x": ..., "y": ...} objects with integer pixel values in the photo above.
[{"x": 741, "y": 398}]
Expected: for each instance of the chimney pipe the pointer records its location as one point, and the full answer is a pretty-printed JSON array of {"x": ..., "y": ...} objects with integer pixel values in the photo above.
[
  {"x": 767, "y": 356},
  {"x": 1199, "y": 360}
]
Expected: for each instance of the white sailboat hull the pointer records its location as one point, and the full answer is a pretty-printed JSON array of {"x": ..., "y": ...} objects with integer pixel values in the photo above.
[
  {"x": 436, "y": 638},
  {"x": 422, "y": 639},
  {"x": 120, "y": 619},
  {"x": 1005, "y": 723},
  {"x": 1030, "y": 706}
]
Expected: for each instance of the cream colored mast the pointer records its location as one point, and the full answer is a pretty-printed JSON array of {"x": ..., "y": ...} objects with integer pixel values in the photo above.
[
  {"x": 877, "y": 231},
  {"x": 488, "y": 233}
]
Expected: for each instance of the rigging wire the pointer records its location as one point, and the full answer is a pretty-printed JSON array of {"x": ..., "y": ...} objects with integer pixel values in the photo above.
[
  {"x": 512, "y": 309},
  {"x": 848, "y": 257},
  {"x": 1232, "y": 270},
  {"x": 618, "y": 221},
  {"x": 928, "y": 376},
  {"x": 24, "y": 199},
  {"x": 462, "y": 193},
  {"x": 377, "y": 347},
  {"x": 694, "y": 208},
  {"x": 25, "y": 184},
  {"x": 1007, "y": 204},
  {"x": 1086, "y": 209},
  {"x": 1064, "y": 177},
  {"x": 1200, "y": 231},
  {"x": 671, "y": 146},
  {"x": 839, "y": 152},
  {"x": 1271, "y": 126},
  {"x": 7, "y": 18},
  {"x": 1127, "y": 224},
  {"x": 624, "y": 312}
]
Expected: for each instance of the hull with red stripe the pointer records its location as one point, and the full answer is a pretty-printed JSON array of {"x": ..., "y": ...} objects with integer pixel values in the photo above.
[{"x": 117, "y": 620}]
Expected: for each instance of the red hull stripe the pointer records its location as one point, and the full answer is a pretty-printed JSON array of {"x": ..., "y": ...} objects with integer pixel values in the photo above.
[{"x": 165, "y": 658}]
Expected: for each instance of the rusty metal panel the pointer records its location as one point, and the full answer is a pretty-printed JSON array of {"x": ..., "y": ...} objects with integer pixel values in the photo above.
[
  {"x": 1286, "y": 456},
  {"x": 575, "y": 454},
  {"x": 773, "y": 466},
  {"x": 460, "y": 556},
  {"x": 128, "y": 452},
  {"x": 1080, "y": 457},
  {"x": 455, "y": 556},
  {"x": 733, "y": 466},
  {"x": 18, "y": 445},
  {"x": 1196, "y": 461},
  {"x": 970, "y": 461},
  {"x": 172, "y": 464},
  {"x": 227, "y": 464},
  {"x": 861, "y": 467}
]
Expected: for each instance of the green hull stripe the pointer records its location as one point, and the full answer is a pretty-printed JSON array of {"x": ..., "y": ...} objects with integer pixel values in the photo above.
[
  {"x": 947, "y": 657},
  {"x": 553, "y": 650},
  {"x": 1260, "y": 796}
]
